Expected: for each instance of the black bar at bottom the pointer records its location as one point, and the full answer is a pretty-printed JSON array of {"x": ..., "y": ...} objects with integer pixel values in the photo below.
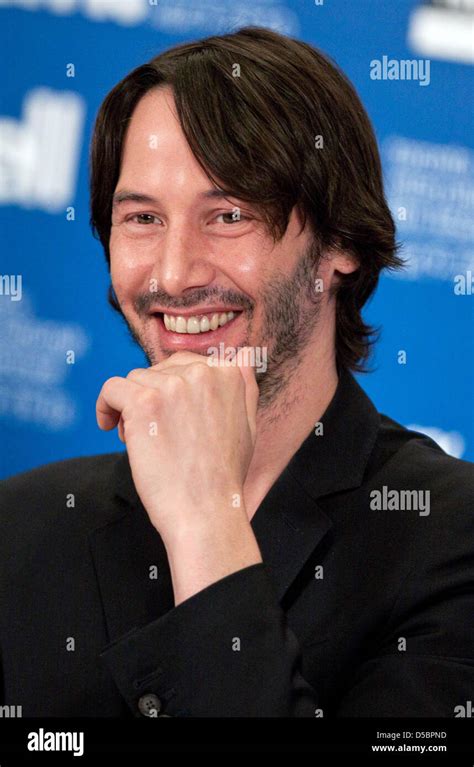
[{"x": 404, "y": 741}]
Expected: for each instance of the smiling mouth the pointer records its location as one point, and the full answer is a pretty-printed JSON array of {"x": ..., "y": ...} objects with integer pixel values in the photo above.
[{"x": 197, "y": 323}]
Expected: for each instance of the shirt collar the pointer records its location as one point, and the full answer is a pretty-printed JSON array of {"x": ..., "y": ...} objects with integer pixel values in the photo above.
[{"x": 333, "y": 458}]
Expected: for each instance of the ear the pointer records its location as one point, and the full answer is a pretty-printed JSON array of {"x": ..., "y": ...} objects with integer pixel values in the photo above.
[
  {"x": 336, "y": 263},
  {"x": 344, "y": 263}
]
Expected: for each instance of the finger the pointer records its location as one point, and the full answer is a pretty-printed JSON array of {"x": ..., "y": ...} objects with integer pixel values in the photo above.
[
  {"x": 115, "y": 394},
  {"x": 251, "y": 387},
  {"x": 179, "y": 358},
  {"x": 153, "y": 375}
]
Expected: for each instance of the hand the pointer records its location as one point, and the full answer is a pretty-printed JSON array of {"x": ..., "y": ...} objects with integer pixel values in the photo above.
[{"x": 190, "y": 431}]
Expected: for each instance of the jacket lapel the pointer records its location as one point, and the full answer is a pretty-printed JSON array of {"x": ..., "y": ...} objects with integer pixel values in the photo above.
[
  {"x": 286, "y": 540},
  {"x": 288, "y": 525},
  {"x": 131, "y": 568}
]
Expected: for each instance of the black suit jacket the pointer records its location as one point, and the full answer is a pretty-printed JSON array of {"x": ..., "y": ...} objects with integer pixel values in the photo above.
[{"x": 356, "y": 611}]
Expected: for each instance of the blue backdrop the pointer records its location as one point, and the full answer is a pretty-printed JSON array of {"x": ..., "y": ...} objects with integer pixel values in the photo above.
[{"x": 61, "y": 58}]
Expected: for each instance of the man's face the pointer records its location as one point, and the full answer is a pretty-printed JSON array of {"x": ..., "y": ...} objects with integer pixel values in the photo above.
[{"x": 184, "y": 258}]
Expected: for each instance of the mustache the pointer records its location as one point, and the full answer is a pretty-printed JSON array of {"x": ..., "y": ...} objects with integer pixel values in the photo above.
[{"x": 145, "y": 302}]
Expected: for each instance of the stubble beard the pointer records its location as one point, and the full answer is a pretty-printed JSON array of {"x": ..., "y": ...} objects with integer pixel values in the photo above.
[{"x": 291, "y": 311}]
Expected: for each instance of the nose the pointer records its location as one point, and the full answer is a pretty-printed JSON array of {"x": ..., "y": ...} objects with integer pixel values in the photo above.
[{"x": 181, "y": 261}]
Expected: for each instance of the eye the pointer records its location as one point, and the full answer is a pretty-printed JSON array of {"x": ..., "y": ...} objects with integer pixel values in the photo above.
[
  {"x": 231, "y": 217},
  {"x": 144, "y": 218}
]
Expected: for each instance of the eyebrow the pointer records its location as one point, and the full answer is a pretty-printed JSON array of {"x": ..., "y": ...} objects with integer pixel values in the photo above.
[{"x": 127, "y": 195}]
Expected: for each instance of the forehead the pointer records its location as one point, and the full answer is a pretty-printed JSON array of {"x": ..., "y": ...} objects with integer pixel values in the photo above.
[
  {"x": 156, "y": 109},
  {"x": 155, "y": 150}
]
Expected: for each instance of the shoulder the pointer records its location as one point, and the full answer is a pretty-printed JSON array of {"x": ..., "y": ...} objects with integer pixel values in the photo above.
[
  {"x": 45, "y": 494},
  {"x": 80, "y": 472},
  {"x": 415, "y": 455},
  {"x": 418, "y": 472}
]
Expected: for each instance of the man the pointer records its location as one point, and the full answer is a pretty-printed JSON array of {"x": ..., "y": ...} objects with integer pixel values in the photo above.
[{"x": 268, "y": 544}]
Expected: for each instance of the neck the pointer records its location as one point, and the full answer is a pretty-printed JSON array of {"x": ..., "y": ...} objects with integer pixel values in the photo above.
[{"x": 284, "y": 424}]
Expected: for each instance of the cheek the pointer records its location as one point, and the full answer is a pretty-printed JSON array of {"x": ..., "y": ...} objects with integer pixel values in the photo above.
[
  {"x": 249, "y": 268},
  {"x": 129, "y": 270}
]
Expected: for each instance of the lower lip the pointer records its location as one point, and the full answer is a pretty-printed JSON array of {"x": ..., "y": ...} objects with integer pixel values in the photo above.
[{"x": 195, "y": 341}]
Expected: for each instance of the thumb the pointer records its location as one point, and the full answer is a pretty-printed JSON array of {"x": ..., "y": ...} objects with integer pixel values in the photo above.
[{"x": 244, "y": 359}]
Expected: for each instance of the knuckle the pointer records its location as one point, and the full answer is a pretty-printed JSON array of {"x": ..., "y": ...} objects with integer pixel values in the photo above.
[
  {"x": 198, "y": 371},
  {"x": 235, "y": 373},
  {"x": 174, "y": 385},
  {"x": 148, "y": 399},
  {"x": 135, "y": 373},
  {"x": 110, "y": 384}
]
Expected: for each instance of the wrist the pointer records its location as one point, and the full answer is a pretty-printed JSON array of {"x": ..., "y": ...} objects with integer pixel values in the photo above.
[
  {"x": 187, "y": 519},
  {"x": 203, "y": 550}
]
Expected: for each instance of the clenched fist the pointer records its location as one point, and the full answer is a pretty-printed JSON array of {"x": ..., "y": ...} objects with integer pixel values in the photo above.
[{"x": 190, "y": 431}]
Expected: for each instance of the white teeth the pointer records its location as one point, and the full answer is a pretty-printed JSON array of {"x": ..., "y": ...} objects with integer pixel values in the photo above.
[
  {"x": 193, "y": 325},
  {"x": 197, "y": 324}
]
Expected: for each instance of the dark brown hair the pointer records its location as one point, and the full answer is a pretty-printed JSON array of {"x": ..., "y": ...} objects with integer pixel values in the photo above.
[{"x": 252, "y": 105}]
